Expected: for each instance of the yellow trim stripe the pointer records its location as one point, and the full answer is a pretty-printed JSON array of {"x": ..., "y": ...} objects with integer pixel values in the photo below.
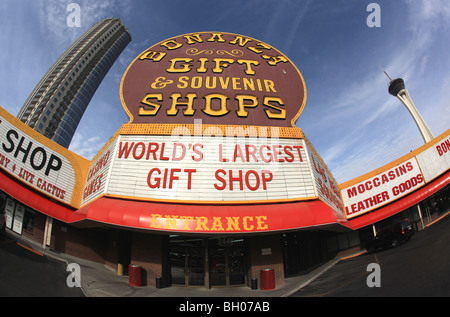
[
  {"x": 29, "y": 249},
  {"x": 210, "y": 130}
]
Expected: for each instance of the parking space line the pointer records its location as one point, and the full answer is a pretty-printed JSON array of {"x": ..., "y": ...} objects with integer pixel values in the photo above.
[
  {"x": 438, "y": 219},
  {"x": 354, "y": 255},
  {"x": 29, "y": 249}
]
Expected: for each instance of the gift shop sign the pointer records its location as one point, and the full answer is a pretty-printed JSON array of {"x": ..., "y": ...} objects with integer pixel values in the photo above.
[
  {"x": 34, "y": 163},
  {"x": 220, "y": 78},
  {"x": 210, "y": 169}
]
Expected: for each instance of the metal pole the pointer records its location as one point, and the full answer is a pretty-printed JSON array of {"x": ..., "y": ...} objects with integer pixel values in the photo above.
[{"x": 420, "y": 215}]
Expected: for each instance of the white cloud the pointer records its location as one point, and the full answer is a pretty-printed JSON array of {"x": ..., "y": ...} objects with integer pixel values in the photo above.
[
  {"x": 433, "y": 12},
  {"x": 85, "y": 146},
  {"x": 379, "y": 128},
  {"x": 296, "y": 25},
  {"x": 53, "y": 18}
]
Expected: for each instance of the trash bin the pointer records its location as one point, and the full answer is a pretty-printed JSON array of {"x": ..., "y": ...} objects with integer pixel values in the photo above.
[
  {"x": 267, "y": 279},
  {"x": 254, "y": 283},
  {"x": 135, "y": 275},
  {"x": 158, "y": 282}
]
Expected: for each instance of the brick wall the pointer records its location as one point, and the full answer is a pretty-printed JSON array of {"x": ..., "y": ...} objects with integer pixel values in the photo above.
[
  {"x": 86, "y": 243},
  {"x": 147, "y": 252},
  {"x": 265, "y": 252},
  {"x": 37, "y": 234}
]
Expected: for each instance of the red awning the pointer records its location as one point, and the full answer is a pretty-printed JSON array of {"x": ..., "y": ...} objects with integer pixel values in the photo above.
[
  {"x": 188, "y": 218},
  {"x": 401, "y": 204},
  {"x": 220, "y": 218},
  {"x": 223, "y": 219}
]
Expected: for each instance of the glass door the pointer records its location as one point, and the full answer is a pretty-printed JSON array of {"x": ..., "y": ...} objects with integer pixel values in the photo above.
[
  {"x": 196, "y": 266},
  {"x": 236, "y": 266},
  {"x": 187, "y": 262},
  {"x": 226, "y": 262},
  {"x": 178, "y": 265},
  {"x": 207, "y": 262},
  {"x": 218, "y": 267}
]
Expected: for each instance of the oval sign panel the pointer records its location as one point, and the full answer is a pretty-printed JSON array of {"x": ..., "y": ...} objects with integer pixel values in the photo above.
[{"x": 221, "y": 78}]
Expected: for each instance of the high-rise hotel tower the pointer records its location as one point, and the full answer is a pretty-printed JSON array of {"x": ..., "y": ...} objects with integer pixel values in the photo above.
[{"x": 58, "y": 102}]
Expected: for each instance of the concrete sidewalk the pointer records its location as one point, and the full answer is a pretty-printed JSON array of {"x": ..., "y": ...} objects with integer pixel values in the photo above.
[{"x": 98, "y": 280}]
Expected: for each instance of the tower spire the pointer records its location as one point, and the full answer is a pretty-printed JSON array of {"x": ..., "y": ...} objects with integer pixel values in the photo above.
[
  {"x": 397, "y": 89},
  {"x": 390, "y": 79}
]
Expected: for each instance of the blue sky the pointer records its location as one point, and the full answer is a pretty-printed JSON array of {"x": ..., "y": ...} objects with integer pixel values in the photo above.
[{"x": 350, "y": 118}]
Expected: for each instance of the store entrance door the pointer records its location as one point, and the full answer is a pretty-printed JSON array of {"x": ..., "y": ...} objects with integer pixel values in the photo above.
[
  {"x": 227, "y": 262},
  {"x": 187, "y": 267},
  {"x": 207, "y": 262}
]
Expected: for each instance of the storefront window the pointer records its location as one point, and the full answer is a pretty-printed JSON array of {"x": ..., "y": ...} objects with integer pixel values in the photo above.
[
  {"x": 28, "y": 220},
  {"x": 22, "y": 216},
  {"x": 437, "y": 204}
]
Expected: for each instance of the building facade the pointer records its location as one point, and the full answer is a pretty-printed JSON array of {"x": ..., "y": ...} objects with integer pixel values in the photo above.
[
  {"x": 210, "y": 184},
  {"x": 58, "y": 102}
]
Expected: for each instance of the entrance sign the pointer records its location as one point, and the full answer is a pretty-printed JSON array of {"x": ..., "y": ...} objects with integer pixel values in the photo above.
[{"x": 220, "y": 78}]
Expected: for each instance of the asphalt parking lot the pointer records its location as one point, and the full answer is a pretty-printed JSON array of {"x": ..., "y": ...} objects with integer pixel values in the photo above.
[
  {"x": 27, "y": 273},
  {"x": 419, "y": 267}
]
